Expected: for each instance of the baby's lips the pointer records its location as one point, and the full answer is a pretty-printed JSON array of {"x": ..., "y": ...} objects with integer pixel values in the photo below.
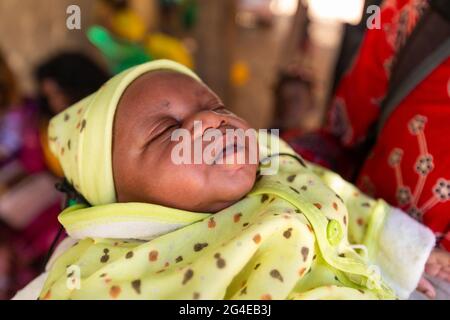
[{"x": 231, "y": 149}]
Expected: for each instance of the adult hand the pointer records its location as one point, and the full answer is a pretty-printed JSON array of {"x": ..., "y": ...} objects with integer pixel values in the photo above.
[{"x": 438, "y": 265}]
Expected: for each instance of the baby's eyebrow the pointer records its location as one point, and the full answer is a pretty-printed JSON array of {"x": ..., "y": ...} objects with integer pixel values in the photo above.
[{"x": 156, "y": 111}]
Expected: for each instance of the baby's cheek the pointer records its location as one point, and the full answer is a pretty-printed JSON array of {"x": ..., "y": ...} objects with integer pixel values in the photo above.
[{"x": 189, "y": 180}]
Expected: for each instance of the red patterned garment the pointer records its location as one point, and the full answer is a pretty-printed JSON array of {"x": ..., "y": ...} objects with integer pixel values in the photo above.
[{"x": 410, "y": 163}]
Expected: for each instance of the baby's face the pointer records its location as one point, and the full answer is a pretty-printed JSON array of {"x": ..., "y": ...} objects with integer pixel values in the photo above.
[{"x": 151, "y": 109}]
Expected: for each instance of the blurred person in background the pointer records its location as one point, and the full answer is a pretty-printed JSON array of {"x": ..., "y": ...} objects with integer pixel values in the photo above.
[
  {"x": 67, "y": 77},
  {"x": 395, "y": 145},
  {"x": 62, "y": 80},
  {"x": 293, "y": 99}
]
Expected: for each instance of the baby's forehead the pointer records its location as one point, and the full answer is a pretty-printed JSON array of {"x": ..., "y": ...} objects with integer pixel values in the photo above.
[
  {"x": 152, "y": 89},
  {"x": 160, "y": 79},
  {"x": 156, "y": 85}
]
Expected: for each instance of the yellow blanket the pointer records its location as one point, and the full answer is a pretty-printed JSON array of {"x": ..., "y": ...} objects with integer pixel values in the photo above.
[{"x": 287, "y": 239}]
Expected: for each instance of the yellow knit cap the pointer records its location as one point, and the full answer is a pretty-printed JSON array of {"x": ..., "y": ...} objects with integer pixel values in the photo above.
[{"x": 81, "y": 136}]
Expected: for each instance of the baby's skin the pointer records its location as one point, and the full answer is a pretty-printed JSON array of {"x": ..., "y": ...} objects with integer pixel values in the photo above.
[{"x": 150, "y": 110}]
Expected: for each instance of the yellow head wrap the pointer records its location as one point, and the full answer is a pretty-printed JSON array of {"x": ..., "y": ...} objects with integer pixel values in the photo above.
[{"x": 81, "y": 136}]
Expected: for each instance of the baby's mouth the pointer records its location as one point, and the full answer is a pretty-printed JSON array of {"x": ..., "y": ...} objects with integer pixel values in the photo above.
[{"x": 228, "y": 151}]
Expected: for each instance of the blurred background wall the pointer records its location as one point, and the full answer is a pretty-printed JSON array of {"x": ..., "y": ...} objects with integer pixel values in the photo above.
[
  {"x": 239, "y": 45},
  {"x": 32, "y": 30}
]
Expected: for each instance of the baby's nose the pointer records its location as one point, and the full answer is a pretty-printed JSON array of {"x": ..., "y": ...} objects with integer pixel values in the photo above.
[{"x": 204, "y": 120}]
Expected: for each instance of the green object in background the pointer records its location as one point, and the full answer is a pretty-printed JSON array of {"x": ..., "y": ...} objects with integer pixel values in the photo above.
[
  {"x": 190, "y": 14},
  {"x": 119, "y": 54},
  {"x": 187, "y": 14}
]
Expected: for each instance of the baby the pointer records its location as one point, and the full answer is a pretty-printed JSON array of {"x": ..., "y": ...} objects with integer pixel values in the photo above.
[
  {"x": 149, "y": 112},
  {"x": 152, "y": 228}
]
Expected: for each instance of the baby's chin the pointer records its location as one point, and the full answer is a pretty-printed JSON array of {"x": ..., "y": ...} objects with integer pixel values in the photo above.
[{"x": 232, "y": 186}]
